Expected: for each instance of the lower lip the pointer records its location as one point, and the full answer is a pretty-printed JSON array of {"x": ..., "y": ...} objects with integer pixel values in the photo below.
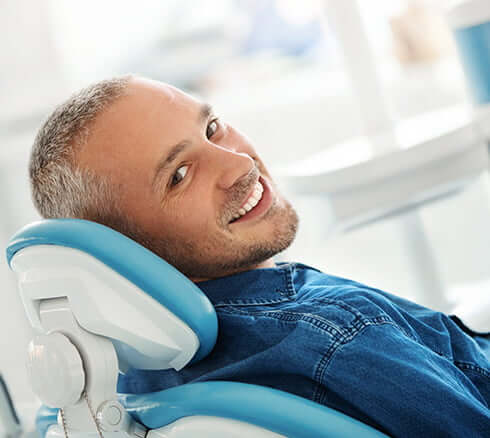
[{"x": 263, "y": 205}]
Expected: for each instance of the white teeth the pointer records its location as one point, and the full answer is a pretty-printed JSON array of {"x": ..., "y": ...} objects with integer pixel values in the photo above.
[{"x": 252, "y": 201}]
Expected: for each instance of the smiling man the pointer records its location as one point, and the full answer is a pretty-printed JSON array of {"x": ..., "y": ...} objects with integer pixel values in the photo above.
[
  {"x": 159, "y": 166},
  {"x": 192, "y": 187}
]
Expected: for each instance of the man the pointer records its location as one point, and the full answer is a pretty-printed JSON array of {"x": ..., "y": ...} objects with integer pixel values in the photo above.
[{"x": 159, "y": 166}]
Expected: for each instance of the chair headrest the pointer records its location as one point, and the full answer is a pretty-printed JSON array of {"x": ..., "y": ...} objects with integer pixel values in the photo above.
[{"x": 49, "y": 254}]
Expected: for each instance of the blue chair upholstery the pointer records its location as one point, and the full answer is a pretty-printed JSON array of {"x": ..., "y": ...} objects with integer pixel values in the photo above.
[
  {"x": 270, "y": 409},
  {"x": 146, "y": 270}
]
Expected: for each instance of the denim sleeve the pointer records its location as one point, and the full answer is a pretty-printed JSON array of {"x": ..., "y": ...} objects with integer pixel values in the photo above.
[{"x": 397, "y": 384}]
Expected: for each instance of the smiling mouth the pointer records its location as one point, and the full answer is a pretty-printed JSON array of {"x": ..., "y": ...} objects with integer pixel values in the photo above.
[{"x": 256, "y": 204}]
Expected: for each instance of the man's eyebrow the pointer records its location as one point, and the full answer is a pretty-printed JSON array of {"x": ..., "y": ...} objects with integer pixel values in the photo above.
[
  {"x": 205, "y": 111},
  {"x": 166, "y": 161}
]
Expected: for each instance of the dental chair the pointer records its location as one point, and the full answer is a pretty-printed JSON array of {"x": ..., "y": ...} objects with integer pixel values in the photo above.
[{"x": 101, "y": 304}]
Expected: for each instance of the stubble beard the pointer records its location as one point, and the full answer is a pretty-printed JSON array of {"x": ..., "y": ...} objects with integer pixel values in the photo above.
[{"x": 218, "y": 257}]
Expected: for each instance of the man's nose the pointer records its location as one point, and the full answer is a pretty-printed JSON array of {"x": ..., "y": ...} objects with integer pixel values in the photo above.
[{"x": 230, "y": 165}]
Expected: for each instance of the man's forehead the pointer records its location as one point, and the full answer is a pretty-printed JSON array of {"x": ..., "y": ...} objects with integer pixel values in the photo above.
[
  {"x": 148, "y": 105},
  {"x": 160, "y": 91},
  {"x": 143, "y": 116}
]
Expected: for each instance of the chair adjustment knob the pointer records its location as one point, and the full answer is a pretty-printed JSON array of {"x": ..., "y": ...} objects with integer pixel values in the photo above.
[
  {"x": 111, "y": 416},
  {"x": 55, "y": 369}
]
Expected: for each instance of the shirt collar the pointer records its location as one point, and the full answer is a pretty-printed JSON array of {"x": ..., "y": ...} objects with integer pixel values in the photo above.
[{"x": 258, "y": 286}]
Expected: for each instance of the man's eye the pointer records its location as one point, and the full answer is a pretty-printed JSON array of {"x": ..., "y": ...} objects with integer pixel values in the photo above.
[
  {"x": 212, "y": 128},
  {"x": 179, "y": 175}
]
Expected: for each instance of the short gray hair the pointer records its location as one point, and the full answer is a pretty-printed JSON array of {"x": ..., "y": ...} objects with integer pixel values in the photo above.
[{"x": 60, "y": 188}]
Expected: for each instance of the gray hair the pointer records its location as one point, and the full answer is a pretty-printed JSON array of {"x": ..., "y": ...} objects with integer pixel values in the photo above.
[{"x": 60, "y": 188}]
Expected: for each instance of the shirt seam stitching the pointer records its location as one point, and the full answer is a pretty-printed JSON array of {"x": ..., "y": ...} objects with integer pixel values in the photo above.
[
  {"x": 288, "y": 274},
  {"x": 258, "y": 302},
  {"x": 325, "y": 360},
  {"x": 471, "y": 366},
  {"x": 320, "y": 323}
]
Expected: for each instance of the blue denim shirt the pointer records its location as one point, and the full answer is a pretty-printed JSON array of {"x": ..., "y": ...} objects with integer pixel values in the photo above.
[{"x": 397, "y": 366}]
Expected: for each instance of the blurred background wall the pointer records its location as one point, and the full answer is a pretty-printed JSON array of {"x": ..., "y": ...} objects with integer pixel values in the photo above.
[{"x": 275, "y": 70}]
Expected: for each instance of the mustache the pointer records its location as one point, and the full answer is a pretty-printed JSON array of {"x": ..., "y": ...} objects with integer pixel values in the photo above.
[{"x": 236, "y": 193}]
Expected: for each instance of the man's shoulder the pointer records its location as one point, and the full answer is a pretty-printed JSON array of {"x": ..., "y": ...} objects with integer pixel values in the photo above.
[
  {"x": 342, "y": 296},
  {"x": 308, "y": 279},
  {"x": 293, "y": 292}
]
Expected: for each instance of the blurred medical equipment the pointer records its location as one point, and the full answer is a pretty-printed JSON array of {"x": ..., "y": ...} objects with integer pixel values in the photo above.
[
  {"x": 101, "y": 303},
  {"x": 397, "y": 166},
  {"x": 470, "y": 21},
  {"x": 9, "y": 422}
]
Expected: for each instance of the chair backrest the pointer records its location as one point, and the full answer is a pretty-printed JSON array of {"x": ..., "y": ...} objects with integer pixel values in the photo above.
[
  {"x": 110, "y": 280},
  {"x": 156, "y": 319}
]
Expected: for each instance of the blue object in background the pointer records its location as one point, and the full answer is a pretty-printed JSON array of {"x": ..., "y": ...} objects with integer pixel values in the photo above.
[
  {"x": 269, "y": 30},
  {"x": 470, "y": 22},
  {"x": 474, "y": 46}
]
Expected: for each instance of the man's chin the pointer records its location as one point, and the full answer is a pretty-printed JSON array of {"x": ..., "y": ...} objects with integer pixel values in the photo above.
[
  {"x": 222, "y": 267},
  {"x": 248, "y": 256},
  {"x": 210, "y": 257}
]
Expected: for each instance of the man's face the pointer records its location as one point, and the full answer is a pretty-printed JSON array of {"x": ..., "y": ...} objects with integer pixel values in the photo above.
[{"x": 186, "y": 178}]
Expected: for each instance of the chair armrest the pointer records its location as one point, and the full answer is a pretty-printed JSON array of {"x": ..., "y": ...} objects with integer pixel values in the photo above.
[{"x": 274, "y": 410}]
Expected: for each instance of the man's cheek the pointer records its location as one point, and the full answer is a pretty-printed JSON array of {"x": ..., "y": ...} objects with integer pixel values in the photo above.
[{"x": 192, "y": 220}]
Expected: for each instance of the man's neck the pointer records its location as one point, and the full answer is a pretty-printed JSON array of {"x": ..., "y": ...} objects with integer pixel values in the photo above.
[{"x": 269, "y": 263}]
